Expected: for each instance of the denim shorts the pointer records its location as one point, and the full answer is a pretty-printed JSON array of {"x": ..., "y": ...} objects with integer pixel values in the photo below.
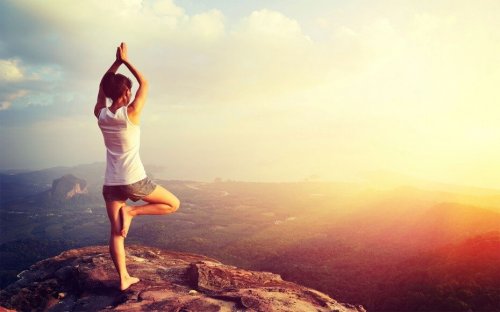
[{"x": 134, "y": 191}]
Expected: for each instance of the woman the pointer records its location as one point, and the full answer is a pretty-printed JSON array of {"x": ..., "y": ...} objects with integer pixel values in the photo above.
[{"x": 125, "y": 176}]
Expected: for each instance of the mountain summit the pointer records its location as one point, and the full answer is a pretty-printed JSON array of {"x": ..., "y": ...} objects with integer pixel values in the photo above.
[
  {"x": 67, "y": 187},
  {"x": 85, "y": 279}
]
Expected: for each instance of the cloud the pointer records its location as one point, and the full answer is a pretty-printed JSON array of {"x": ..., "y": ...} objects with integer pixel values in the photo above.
[
  {"x": 193, "y": 58},
  {"x": 202, "y": 59},
  {"x": 6, "y": 101},
  {"x": 261, "y": 56},
  {"x": 24, "y": 86},
  {"x": 10, "y": 71},
  {"x": 208, "y": 25},
  {"x": 270, "y": 23}
]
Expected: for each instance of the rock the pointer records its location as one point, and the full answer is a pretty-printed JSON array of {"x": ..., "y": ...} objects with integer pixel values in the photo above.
[
  {"x": 67, "y": 187},
  {"x": 85, "y": 279}
]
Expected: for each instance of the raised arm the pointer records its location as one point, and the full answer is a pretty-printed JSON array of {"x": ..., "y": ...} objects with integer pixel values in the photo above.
[
  {"x": 101, "y": 98},
  {"x": 135, "y": 108}
]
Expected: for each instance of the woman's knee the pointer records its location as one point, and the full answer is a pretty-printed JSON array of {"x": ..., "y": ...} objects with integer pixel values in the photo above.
[
  {"x": 115, "y": 231},
  {"x": 163, "y": 197},
  {"x": 171, "y": 205},
  {"x": 176, "y": 204}
]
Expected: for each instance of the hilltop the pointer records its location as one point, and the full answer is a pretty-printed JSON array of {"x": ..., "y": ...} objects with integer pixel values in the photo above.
[{"x": 84, "y": 279}]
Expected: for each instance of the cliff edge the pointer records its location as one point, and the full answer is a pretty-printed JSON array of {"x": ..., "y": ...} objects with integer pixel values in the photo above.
[{"x": 85, "y": 279}]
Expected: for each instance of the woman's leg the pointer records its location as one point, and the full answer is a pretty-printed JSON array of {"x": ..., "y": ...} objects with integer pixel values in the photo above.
[
  {"x": 117, "y": 244},
  {"x": 159, "y": 202}
]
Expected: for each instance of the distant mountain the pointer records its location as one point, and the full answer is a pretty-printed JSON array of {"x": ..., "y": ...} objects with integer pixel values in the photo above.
[
  {"x": 15, "y": 186},
  {"x": 460, "y": 277},
  {"x": 452, "y": 222},
  {"x": 67, "y": 187},
  {"x": 415, "y": 219}
]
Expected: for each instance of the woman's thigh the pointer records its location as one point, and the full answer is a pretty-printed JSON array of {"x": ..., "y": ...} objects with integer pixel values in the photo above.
[{"x": 162, "y": 196}]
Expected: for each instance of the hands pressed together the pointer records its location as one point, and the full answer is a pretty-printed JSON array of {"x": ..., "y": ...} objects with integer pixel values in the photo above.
[{"x": 121, "y": 53}]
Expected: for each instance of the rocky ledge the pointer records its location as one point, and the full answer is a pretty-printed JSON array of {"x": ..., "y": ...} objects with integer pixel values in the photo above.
[{"x": 85, "y": 279}]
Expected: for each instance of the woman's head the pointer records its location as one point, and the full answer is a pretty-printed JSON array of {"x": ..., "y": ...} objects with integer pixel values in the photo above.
[{"x": 116, "y": 86}]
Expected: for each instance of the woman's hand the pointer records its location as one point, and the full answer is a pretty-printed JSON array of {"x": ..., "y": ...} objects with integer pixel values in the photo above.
[
  {"x": 118, "y": 59},
  {"x": 121, "y": 52}
]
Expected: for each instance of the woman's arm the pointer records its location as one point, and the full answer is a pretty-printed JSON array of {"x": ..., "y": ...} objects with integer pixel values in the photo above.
[
  {"x": 135, "y": 108},
  {"x": 101, "y": 98}
]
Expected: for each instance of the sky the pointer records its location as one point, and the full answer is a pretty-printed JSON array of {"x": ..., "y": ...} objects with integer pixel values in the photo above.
[{"x": 262, "y": 90}]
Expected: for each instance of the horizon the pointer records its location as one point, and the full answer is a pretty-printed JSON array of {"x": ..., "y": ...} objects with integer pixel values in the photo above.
[
  {"x": 262, "y": 90},
  {"x": 380, "y": 181}
]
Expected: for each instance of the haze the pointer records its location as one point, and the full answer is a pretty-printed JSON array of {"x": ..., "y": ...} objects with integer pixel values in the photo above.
[{"x": 262, "y": 90}]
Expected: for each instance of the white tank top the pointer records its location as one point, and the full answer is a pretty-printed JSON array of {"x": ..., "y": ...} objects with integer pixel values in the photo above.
[{"x": 122, "y": 139}]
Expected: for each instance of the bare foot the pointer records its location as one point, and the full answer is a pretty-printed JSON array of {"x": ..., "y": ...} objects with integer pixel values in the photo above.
[
  {"x": 126, "y": 218},
  {"x": 127, "y": 282}
]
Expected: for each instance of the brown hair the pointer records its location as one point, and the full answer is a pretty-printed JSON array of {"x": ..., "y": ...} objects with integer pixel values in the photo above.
[{"x": 115, "y": 84}]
